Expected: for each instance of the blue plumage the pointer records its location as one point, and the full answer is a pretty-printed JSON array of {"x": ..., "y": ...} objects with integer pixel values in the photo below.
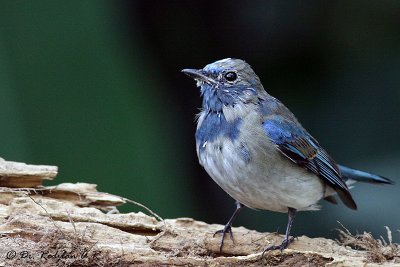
[
  {"x": 257, "y": 151},
  {"x": 215, "y": 125},
  {"x": 360, "y": 176},
  {"x": 300, "y": 147}
]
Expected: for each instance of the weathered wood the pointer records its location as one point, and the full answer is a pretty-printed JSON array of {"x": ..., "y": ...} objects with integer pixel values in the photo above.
[
  {"x": 64, "y": 225},
  {"x": 17, "y": 174}
]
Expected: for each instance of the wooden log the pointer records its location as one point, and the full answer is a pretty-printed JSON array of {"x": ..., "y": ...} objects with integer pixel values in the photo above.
[
  {"x": 17, "y": 174},
  {"x": 66, "y": 225}
]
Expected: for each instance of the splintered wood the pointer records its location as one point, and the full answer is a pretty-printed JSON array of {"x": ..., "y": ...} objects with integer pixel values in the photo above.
[
  {"x": 18, "y": 179},
  {"x": 75, "y": 225},
  {"x": 16, "y": 174}
]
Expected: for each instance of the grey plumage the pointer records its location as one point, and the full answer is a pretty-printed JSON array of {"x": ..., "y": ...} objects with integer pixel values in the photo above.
[{"x": 256, "y": 150}]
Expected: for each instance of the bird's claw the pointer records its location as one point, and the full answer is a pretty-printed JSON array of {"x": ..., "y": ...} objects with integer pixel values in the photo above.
[
  {"x": 285, "y": 243},
  {"x": 227, "y": 229}
]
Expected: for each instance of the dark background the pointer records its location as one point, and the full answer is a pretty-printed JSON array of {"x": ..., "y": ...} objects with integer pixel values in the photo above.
[{"x": 95, "y": 87}]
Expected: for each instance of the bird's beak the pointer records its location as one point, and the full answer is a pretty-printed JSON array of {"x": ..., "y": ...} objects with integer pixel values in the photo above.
[{"x": 198, "y": 75}]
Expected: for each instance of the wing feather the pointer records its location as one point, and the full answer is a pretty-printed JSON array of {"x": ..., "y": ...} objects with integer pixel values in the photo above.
[{"x": 293, "y": 141}]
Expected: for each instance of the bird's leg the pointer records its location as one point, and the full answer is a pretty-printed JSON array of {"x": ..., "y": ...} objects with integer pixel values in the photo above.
[
  {"x": 227, "y": 228},
  {"x": 288, "y": 239}
]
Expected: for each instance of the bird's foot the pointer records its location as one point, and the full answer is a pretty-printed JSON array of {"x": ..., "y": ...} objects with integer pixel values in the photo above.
[
  {"x": 227, "y": 229},
  {"x": 281, "y": 247}
]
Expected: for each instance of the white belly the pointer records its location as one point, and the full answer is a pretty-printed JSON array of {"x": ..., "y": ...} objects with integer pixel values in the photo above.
[{"x": 263, "y": 180}]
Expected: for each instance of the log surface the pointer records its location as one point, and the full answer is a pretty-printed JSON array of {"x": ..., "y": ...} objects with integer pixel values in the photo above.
[{"x": 74, "y": 225}]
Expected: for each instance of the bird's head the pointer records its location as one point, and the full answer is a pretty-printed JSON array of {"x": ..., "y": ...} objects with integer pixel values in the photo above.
[{"x": 226, "y": 82}]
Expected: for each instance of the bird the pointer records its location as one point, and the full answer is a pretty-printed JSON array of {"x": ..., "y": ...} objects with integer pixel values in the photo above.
[{"x": 257, "y": 151}]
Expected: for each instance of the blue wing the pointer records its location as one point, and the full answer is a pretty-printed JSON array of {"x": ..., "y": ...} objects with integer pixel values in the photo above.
[{"x": 293, "y": 141}]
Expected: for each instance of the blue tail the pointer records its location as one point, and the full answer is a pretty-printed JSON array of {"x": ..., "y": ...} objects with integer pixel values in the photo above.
[{"x": 360, "y": 176}]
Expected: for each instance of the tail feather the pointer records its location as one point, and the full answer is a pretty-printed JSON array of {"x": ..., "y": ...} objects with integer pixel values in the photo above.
[{"x": 361, "y": 176}]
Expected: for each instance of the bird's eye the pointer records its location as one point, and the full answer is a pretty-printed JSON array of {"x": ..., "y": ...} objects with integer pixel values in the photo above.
[{"x": 230, "y": 76}]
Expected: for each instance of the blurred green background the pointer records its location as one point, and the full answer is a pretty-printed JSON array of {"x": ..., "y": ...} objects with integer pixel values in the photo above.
[{"x": 95, "y": 88}]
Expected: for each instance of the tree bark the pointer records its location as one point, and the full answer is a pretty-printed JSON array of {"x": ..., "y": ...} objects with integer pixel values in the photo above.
[{"x": 74, "y": 225}]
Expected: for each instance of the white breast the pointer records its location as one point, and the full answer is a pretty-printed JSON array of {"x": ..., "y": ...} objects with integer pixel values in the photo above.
[{"x": 266, "y": 179}]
